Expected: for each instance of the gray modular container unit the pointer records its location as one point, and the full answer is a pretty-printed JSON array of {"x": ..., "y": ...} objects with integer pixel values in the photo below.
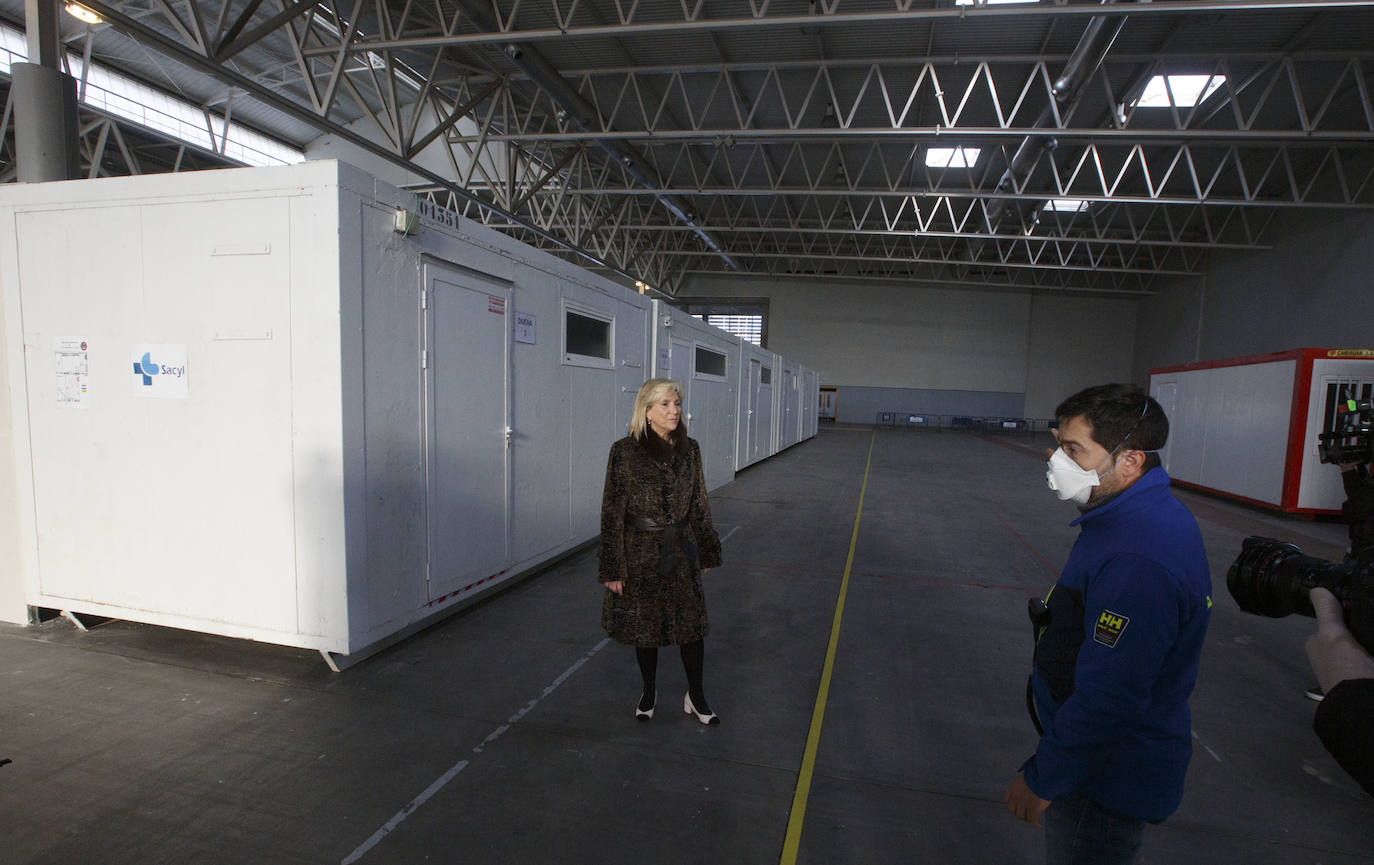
[
  {"x": 756, "y": 391},
  {"x": 294, "y": 405},
  {"x": 703, "y": 359}
]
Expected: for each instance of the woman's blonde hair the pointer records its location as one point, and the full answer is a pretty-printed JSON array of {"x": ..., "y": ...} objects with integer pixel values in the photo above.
[{"x": 649, "y": 393}]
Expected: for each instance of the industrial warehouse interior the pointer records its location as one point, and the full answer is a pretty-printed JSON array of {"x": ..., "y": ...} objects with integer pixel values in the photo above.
[{"x": 318, "y": 321}]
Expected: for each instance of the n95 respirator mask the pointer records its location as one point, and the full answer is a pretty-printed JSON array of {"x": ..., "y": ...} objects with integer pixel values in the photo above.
[{"x": 1068, "y": 481}]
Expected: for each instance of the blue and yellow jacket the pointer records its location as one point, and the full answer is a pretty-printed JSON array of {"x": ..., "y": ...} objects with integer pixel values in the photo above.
[{"x": 1115, "y": 665}]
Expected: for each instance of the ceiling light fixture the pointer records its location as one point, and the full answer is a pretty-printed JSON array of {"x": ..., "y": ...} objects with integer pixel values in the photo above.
[{"x": 81, "y": 13}]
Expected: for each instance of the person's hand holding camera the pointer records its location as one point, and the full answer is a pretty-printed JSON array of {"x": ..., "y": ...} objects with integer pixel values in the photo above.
[{"x": 1335, "y": 655}]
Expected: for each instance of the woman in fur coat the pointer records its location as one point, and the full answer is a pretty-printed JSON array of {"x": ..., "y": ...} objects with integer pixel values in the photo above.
[{"x": 656, "y": 541}]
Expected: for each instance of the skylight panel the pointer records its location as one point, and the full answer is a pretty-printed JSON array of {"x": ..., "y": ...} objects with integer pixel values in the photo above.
[
  {"x": 108, "y": 91},
  {"x": 952, "y": 157},
  {"x": 990, "y": 2},
  {"x": 1066, "y": 205},
  {"x": 1188, "y": 90}
]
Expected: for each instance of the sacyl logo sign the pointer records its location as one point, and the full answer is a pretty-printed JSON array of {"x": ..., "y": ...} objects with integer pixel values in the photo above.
[
  {"x": 147, "y": 368},
  {"x": 159, "y": 371}
]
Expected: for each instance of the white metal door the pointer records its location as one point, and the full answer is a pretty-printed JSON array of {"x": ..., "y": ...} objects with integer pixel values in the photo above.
[
  {"x": 682, "y": 372},
  {"x": 755, "y": 374},
  {"x": 789, "y": 408},
  {"x": 467, "y": 369}
]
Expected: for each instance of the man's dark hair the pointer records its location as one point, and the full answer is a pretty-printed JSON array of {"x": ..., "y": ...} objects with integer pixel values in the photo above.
[{"x": 1120, "y": 414}]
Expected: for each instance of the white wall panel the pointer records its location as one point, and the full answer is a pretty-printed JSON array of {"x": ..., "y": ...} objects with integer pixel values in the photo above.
[
  {"x": 387, "y": 534},
  {"x": 1247, "y": 417},
  {"x": 542, "y": 419},
  {"x": 150, "y": 491},
  {"x": 1229, "y": 427}
]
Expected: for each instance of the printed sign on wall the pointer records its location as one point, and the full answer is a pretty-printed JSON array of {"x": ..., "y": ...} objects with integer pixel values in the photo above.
[
  {"x": 73, "y": 372},
  {"x": 159, "y": 371},
  {"x": 524, "y": 327}
]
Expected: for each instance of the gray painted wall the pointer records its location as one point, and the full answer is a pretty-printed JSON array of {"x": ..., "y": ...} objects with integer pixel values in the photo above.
[
  {"x": 962, "y": 343},
  {"x": 1314, "y": 288},
  {"x": 862, "y": 404}
]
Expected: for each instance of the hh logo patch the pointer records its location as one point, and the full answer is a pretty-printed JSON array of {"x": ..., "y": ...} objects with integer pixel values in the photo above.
[{"x": 1109, "y": 628}]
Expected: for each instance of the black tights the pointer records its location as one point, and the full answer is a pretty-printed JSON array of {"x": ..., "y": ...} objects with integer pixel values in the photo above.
[{"x": 693, "y": 661}]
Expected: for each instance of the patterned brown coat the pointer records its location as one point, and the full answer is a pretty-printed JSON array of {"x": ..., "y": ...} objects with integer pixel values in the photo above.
[{"x": 653, "y": 479}]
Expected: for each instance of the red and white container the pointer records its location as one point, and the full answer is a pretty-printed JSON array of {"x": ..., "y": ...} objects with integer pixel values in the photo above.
[{"x": 1247, "y": 427}]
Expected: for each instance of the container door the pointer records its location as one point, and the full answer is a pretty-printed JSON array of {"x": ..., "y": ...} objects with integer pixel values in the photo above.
[
  {"x": 467, "y": 448},
  {"x": 789, "y": 409},
  {"x": 752, "y": 386},
  {"x": 682, "y": 373}
]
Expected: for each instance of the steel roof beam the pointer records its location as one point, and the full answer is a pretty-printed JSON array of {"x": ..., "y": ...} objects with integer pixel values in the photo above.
[
  {"x": 693, "y": 23},
  {"x": 947, "y": 135},
  {"x": 1209, "y": 201}
]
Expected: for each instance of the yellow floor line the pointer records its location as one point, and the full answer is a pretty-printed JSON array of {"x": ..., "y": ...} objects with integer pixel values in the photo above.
[{"x": 794, "y": 822}]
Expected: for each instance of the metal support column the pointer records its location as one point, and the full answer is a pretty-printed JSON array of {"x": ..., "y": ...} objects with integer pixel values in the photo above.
[{"x": 46, "y": 133}]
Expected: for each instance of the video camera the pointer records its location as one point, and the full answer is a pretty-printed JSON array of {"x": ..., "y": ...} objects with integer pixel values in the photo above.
[
  {"x": 1349, "y": 440},
  {"x": 1272, "y": 578}
]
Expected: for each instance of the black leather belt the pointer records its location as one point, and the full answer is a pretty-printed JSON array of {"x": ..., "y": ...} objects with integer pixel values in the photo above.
[{"x": 672, "y": 536}]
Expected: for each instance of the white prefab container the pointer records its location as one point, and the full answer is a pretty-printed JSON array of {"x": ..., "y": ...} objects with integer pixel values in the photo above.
[
  {"x": 756, "y": 391},
  {"x": 1248, "y": 427},
  {"x": 292, "y": 405},
  {"x": 703, "y": 359}
]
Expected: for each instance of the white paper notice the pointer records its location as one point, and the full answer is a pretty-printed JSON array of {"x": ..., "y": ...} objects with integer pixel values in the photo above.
[
  {"x": 73, "y": 372},
  {"x": 524, "y": 327},
  {"x": 159, "y": 371}
]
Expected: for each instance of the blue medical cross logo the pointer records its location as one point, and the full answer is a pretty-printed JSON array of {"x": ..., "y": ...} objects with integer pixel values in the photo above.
[{"x": 146, "y": 368}]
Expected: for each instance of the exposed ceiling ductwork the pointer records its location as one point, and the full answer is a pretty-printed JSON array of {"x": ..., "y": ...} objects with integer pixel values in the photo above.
[
  {"x": 1087, "y": 56},
  {"x": 581, "y": 114}
]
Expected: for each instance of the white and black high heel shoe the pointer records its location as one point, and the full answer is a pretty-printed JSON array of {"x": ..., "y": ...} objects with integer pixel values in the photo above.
[
  {"x": 645, "y": 714},
  {"x": 711, "y": 718}
]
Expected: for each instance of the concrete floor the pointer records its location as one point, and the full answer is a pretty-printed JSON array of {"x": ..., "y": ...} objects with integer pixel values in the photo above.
[{"x": 505, "y": 734}]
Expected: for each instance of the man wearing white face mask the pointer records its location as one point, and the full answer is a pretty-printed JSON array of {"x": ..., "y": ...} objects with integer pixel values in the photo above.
[{"x": 1118, "y": 645}]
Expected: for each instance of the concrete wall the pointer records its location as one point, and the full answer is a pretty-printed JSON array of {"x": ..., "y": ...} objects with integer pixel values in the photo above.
[
  {"x": 1314, "y": 288},
  {"x": 858, "y": 404},
  {"x": 965, "y": 343}
]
